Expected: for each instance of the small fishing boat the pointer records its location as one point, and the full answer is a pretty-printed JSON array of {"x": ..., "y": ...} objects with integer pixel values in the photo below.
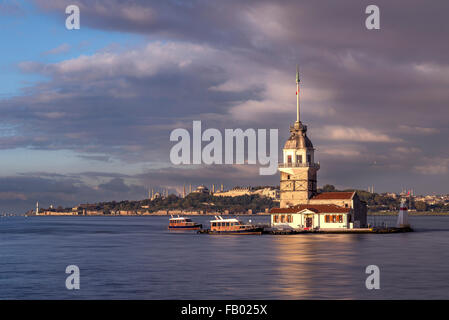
[
  {"x": 182, "y": 223},
  {"x": 232, "y": 226}
]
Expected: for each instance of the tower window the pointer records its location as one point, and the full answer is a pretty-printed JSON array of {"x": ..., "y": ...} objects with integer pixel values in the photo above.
[
  {"x": 298, "y": 158},
  {"x": 288, "y": 177},
  {"x": 289, "y": 159},
  {"x": 309, "y": 158}
]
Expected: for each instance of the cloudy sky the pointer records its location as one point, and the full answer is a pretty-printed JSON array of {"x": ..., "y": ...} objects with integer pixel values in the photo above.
[{"x": 86, "y": 114}]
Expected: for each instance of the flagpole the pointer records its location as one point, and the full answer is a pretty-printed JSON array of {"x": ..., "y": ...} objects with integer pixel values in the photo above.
[{"x": 297, "y": 93}]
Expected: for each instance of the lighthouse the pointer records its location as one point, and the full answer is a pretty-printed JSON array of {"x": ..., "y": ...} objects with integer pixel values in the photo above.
[{"x": 403, "y": 216}]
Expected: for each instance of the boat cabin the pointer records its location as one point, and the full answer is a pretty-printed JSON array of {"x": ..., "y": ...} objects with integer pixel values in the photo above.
[
  {"x": 226, "y": 224},
  {"x": 179, "y": 220},
  {"x": 232, "y": 226},
  {"x": 183, "y": 223}
]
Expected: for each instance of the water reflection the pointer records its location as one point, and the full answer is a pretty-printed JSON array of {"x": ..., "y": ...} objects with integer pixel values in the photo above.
[{"x": 312, "y": 266}]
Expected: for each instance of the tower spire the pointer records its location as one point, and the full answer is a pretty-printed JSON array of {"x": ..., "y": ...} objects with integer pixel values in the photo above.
[{"x": 297, "y": 94}]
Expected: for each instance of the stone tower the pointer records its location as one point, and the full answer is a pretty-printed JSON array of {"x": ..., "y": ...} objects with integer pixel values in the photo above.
[{"x": 298, "y": 170}]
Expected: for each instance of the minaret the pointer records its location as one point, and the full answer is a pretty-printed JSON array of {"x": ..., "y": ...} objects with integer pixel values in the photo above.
[
  {"x": 184, "y": 191},
  {"x": 298, "y": 170},
  {"x": 37, "y": 208}
]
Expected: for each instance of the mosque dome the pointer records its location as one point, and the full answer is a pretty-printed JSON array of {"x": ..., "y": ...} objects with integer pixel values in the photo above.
[{"x": 202, "y": 189}]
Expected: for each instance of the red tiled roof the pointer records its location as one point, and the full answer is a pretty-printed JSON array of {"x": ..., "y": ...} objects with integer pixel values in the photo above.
[
  {"x": 318, "y": 208},
  {"x": 334, "y": 196}
]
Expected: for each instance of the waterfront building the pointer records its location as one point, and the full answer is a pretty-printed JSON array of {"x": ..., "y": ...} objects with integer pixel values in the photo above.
[
  {"x": 234, "y": 192},
  {"x": 301, "y": 206},
  {"x": 321, "y": 216}
]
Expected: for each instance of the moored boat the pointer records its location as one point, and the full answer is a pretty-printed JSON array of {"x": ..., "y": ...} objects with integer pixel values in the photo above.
[
  {"x": 232, "y": 226},
  {"x": 182, "y": 223}
]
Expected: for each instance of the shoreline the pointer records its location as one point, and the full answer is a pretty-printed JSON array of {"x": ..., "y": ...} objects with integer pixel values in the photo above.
[
  {"x": 390, "y": 213},
  {"x": 412, "y": 213},
  {"x": 145, "y": 215}
]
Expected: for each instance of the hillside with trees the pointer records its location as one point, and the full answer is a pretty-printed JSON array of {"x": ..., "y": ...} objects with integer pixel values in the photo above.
[{"x": 241, "y": 204}]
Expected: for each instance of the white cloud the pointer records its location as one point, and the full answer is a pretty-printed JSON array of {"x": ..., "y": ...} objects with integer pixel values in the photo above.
[
  {"x": 406, "y": 150},
  {"x": 341, "y": 151},
  {"x": 354, "y": 134},
  {"x": 137, "y": 62},
  {"x": 417, "y": 129},
  {"x": 63, "y": 48}
]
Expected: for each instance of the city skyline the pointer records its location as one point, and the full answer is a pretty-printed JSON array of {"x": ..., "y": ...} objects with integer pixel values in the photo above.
[{"x": 87, "y": 113}]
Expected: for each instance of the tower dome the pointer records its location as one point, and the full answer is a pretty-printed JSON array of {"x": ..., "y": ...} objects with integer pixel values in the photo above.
[{"x": 298, "y": 139}]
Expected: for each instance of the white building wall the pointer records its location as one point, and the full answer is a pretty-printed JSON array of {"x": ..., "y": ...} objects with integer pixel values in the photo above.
[
  {"x": 319, "y": 221},
  {"x": 302, "y": 152},
  {"x": 334, "y": 225}
]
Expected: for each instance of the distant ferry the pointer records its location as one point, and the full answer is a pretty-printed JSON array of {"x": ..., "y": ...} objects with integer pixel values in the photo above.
[
  {"x": 181, "y": 223},
  {"x": 232, "y": 226}
]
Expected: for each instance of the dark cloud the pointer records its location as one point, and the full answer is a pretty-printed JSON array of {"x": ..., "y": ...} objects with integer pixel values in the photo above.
[
  {"x": 19, "y": 194},
  {"x": 375, "y": 101},
  {"x": 291, "y": 27}
]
